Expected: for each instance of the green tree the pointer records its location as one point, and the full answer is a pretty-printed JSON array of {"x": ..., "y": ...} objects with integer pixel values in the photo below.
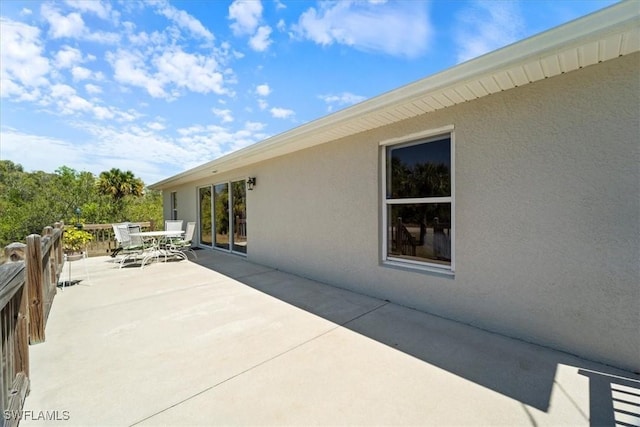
[
  {"x": 74, "y": 190},
  {"x": 145, "y": 208},
  {"x": 29, "y": 201},
  {"x": 117, "y": 185}
]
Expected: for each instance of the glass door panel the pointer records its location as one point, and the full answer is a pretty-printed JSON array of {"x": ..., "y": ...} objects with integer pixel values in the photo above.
[
  {"x": 221, "y": 206},
  {"x": 204, "y": 196},
  {"x": 239, "y": 201}
]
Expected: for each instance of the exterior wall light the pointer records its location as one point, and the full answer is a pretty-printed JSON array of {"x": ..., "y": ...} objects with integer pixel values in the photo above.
[{"x": 251, "y": 182}]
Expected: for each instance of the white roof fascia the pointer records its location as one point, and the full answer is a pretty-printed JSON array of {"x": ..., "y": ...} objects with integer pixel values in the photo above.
[{"x": 618, "y": 18}]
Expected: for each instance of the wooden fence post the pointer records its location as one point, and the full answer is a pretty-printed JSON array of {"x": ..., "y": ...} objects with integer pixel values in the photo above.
[
  {"x": 14, "y": 252},
  {"x": 22, "y": 329},
  {"x": 59, "y": 248},
  {"x": 33, "y": 260},
  {"x": 52, "y": 259}
]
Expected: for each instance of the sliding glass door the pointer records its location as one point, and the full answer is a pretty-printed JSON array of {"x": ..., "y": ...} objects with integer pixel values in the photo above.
[
  {"x": 239, "y": 218},
  {"x": 204, "y": 207},
  {"x": 223, "y": 216}
]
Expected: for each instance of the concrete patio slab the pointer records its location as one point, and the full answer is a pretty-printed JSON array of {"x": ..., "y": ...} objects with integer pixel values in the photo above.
[{"x": 225, "y": 341}]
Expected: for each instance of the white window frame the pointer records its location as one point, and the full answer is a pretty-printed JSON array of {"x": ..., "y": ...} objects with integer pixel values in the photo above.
[
  {"x": 418, "y": 138},
  {"x": 174, "y": 205}
]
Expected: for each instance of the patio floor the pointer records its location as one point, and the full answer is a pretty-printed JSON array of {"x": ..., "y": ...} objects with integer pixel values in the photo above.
[{"x": 225, "y": 341}]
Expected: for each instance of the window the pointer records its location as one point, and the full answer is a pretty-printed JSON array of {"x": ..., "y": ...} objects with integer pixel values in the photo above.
[
  {"x": 418, "y": 202},
  {"x": 174, "y": 205}
]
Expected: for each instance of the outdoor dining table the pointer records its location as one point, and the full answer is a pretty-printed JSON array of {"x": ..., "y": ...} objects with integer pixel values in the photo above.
[{"x": 155, "y": 239}]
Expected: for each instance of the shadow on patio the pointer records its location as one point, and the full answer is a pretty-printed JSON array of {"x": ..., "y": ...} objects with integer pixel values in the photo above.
[{"x": 519, "y": 370}]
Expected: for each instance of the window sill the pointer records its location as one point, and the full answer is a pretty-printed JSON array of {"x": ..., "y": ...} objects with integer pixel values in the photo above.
[{"x": 419, "y": 268}]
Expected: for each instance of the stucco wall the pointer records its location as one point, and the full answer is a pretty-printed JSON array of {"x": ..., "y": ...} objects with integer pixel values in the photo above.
[{"x": 547, "y": 214}]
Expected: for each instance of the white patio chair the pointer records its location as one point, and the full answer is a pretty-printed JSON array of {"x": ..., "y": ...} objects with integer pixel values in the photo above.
[
  {"x": 173, "y": 225},
  {"x": 132, "y": 246},
  {"x": 116, "y": 233},
  {"x": 184, "y": 244}
]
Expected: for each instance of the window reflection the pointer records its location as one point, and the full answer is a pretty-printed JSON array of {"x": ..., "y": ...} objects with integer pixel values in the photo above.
[
  {"x": 420, "y": 170},
  {"x": 221, "y": 206},
  {"x": 420, "y": 232},
  {"x": 205, "y": 216},
  {"x": 239, "y": 216}
]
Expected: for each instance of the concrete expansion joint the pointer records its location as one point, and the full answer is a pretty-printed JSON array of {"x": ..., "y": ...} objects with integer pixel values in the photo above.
[
  {"x": 237, "y": 278},
  {"x": 264, "y": 362},
  {"x": 365, "y": 313},
  {"x": 145, "y": 297}
]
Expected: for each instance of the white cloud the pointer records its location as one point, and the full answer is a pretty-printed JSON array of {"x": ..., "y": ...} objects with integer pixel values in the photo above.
[
  {"x": 254, "y": 126},
  {"x": 224, "y": 115},
  {"x": 102, "y": 37},
  {"x": 97, "y": 154},
  {"x": 80, "y": 73},
  {"x": 397, "y": 28},
  {"x": 186, "y": 21},
  {"x": 68, "y": 103},
  {"x": 169, "y": 72},
  {"x": 67, "y": 57},
  {"x": 281, "y": 113},
  {"x": 198, "y": 73},
  {"x": 100, "y": 9},
  {"x": 92, "y": 89},
  {"x": 26, "y": 11},
  {"x": 263, "y": 90},
  {"x": 34, "y": 151},
  {"x": 281, "y": 26},
  {"x": 62, "y": 91},
  {"x": 262, "y": 104},
  {"x": 72, "y": 26},
  {"x": 150, "y": 154},
  {"x": 210, "y": 142},
  {"x": 156, "y": 126},
  {"x": 22, "y": 66},
  {"x": 246, "y": 15},
  {"x": 345, "y": 98},
  {"x": 260, "y": 40},
  {"x": 130, "y": 68},
  {"x": 486, "y": 26},
  {"x": 61, "y": 26}
]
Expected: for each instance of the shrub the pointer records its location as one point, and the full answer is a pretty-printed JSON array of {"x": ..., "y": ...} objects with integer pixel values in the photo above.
[{"x": 75, "y": 240}]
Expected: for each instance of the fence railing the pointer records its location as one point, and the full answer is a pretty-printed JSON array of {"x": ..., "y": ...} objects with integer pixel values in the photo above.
[
  {"x": 27, "y": 289},
  {"x": 403, "y": 240},
  {"x": 104, "y": 241}
]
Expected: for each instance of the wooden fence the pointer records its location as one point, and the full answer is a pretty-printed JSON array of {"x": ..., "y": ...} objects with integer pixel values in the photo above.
[
  {"x": 104, "y": 241},
  {"x": 27, "y": 288}
]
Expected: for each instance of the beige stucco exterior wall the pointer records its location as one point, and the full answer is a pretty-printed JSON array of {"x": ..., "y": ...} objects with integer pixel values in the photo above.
[{"x": 547, "y": 214}]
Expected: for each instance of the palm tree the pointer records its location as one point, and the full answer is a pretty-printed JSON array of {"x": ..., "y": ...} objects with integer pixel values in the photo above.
[{"x": 118, "y": 184}]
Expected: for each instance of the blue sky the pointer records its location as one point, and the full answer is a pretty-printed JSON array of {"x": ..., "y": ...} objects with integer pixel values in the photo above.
[{"x": 158, "y": 87}]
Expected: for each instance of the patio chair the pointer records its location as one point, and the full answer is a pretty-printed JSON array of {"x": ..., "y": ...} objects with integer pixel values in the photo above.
[
  {"x": 132, "y": 246},
  {"x": 184, "y": 245},
  {"x": 116, "y": 233},
  {"x": 173, "y": 225}
]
